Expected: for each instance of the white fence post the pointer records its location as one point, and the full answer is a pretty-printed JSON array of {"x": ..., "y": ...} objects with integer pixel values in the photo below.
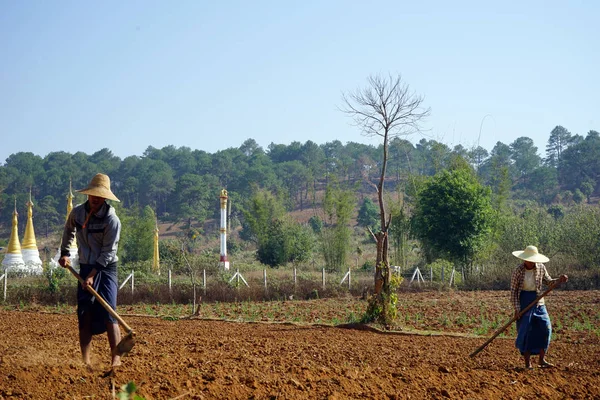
[
  {"x": 323, "y": 278},
  {"x": 238, "y": 276},
  {"x": 204, "y": 281},
  {"x": 294, "y": 277},
  {"x": 265, "y": 278},
  {"x": 348, "y": 275},
  {"x": 418, "y": 275},
  {"x": 169, "y": 281},
  {"x": 132, "y": 279},
  {"x": 349, "y": 278},
  {"x": 5, "y": 277},
  {"x": 125, "y": 281}
]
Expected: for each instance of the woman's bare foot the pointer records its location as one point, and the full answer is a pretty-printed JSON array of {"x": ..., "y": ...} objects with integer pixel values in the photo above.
[
  {"x": 546, "y": 364},
  {"x": 116, "y": 361}
]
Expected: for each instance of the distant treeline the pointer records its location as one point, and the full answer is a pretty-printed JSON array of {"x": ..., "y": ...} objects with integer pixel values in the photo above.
[{"x": 184, "y": 184}]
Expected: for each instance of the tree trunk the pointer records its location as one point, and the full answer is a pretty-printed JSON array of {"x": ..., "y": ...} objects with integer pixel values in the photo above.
[{"x": 382, "y": 266}]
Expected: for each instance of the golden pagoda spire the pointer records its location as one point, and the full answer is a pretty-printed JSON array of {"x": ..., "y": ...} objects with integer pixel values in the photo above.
[
  {"x": 14, "y": 246},
  {"x": 29, "y": 239},
  {"x": 156, "y": 259},
  {"x": 73, "y": 249}
]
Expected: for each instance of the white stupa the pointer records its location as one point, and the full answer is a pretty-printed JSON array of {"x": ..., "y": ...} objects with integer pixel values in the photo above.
[
  {"x": 29, "y": 250},
  {"x": 73, "y": 249},
  {"x": 13, "y": 259}
]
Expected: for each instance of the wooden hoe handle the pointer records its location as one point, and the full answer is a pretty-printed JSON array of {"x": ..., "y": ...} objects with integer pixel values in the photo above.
[
  {"x": 513, "y": 319},
  {"x": 100, "y": 299}
]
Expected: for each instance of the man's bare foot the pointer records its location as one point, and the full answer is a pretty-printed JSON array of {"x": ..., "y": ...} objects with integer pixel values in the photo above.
[{"x": 116, "y": 361}]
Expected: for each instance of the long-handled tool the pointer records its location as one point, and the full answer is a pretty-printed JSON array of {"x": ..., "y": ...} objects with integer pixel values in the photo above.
[
  {"x": 523, "y": 311},
  {"x": 126, "y": 344}
]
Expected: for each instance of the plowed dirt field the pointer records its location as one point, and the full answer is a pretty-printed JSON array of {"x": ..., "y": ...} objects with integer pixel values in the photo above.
[{"x": 208, "y": 359}]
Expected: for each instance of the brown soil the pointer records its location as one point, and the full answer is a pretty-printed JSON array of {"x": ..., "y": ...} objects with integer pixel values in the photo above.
[{"x": 202, "y": 359}]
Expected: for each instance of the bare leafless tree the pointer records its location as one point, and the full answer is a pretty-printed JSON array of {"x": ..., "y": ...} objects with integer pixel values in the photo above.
[{"x": 387, "y": 108}]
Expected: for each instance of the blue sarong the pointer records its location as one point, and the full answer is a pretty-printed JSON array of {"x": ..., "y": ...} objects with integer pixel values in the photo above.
[
  {"x": 105, "y": 283},
  {"x": 534, "y": 327}
]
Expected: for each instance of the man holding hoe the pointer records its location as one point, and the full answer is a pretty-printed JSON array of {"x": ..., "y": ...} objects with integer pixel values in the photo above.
[{"x": 97, "y": 228}]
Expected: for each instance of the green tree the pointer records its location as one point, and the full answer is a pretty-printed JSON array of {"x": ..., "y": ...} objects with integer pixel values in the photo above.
[
  {"x": 578, "y": 196},
  {"x": 579, "y": 235},
  {"x": 313, "y": 158},
  {"x": 338, "y": 205},
  {"x": 497, "y": 172},
  {"x": 587, "y": 188},
  {"x": 262, "y": 209},
  {"x": 260, "y": 172},
  {"x": 543, "y": 184},
  {"x": 559, "y": 140},
  {"x": 156, "y": 179},
  {"x": 295, "y": 177},
  {"x": 368, "y": 214},
  {"x": 315, "y": 223},
  {"x": 477, "y": 156},
  {"x": 454, "y": 216},
  {"x": 402, "y": 158},
  {"x": 47, "y": 217},
  {"x": 194, "y": 197},
  {"x": 137, "y": 233},
  {"x": 432, "y": 156},
  {"x": 286, "y": 241},
  {"x": 400, "y": 232},
  {"x": 580, "y": 162},
  {"x": 525, "y": 157}
]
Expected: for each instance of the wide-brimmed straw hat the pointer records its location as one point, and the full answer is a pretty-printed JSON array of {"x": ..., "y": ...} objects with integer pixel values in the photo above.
[
  {"x": 100, "y": 187},
  {"x": 531, "y": 254}
]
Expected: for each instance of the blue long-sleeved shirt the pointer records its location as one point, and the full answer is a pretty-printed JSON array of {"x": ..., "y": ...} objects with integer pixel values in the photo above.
[{"x": 98, "y": 242}]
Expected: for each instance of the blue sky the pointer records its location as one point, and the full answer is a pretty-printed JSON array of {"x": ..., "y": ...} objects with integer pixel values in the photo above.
[{"x": 81, "y": 76}]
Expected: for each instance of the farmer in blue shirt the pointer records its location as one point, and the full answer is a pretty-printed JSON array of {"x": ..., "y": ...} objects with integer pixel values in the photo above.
[{"x": 97, "y": 228}]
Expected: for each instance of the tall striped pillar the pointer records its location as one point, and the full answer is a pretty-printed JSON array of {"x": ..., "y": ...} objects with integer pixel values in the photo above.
[{"x": 223, "y": 260}]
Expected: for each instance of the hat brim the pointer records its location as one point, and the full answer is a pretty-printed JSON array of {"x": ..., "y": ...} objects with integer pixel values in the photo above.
[
  {"x": 531, "y": 257},
  {"x": 99, "y": 192}
]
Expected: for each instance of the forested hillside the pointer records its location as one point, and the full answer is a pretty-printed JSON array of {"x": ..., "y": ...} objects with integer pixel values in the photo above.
[
  {"x": 182, "y": 183},
  {"x": 182, "y": 186}
]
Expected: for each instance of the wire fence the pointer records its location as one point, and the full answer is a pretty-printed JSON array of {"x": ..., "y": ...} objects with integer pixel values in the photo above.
[{"x": 219, "y": 285}]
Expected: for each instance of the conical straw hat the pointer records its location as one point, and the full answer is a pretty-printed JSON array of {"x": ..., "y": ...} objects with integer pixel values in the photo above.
[
  {"x": 100, "y": 187},
  {"x": 531, "y": 254}
]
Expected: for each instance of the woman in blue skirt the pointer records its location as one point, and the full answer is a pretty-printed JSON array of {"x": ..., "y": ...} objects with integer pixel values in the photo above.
[{"x": 533, "y": 328}]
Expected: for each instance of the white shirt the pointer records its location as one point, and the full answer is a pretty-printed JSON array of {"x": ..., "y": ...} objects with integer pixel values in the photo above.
[{"x": 529, "y": 283}]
